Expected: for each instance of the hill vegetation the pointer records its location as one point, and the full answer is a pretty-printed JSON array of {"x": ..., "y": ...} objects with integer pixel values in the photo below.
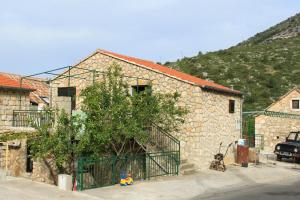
[{"x": 264, "y": 67}]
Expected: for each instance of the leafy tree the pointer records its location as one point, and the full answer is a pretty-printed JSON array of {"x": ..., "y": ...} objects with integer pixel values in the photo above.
[
  {"x": 57, "y": 145},
  {"x": 112, "y": 122},
  {"x": 116, "y": 120}
]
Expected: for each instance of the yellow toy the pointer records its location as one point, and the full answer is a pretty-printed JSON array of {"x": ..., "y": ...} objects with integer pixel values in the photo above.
[
  {"x": 123, "y": 179},
  {"x": 123, "y": 182},
  {"x": 129, "y": 179}
]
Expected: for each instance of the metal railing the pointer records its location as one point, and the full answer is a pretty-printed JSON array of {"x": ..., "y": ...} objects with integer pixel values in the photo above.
[
  {"x": 31, "y": 118},
  {"x": 104, "y": 171},
  {"x": 162, "y": 141},
  {"x": 163, "y": 163}
]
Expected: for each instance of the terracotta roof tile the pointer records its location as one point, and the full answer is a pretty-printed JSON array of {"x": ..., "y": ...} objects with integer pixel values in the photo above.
[
  {"x": 8, "y": 82},
  {"x": 38, "y": 86},
  {"x": 171, "y": 72}
]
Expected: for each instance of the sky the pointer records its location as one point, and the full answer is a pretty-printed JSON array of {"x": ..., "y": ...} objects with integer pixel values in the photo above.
[{"x": 36, "y": 36}]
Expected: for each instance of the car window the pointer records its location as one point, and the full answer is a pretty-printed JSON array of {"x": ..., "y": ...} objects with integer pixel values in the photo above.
[
  {"x": 298, "y": 137},
  {"x": 292, "y": 136}
]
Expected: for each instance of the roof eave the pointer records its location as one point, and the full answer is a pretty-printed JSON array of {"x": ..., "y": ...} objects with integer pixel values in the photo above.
[
  {"x": 17, "y": 89},
  {"x": 232, "y": 92}
]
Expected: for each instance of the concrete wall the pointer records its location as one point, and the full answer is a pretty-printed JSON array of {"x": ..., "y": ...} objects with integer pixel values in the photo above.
[{"x": 207, "y": 124}]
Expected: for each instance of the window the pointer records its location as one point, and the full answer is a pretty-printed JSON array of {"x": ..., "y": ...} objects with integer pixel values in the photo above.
[
  {"x": 66, "y": 91},
  {"x": 231, "y": 106},
  {"x": 295, "y": 104},
  {"x": 141, "y": 88}
]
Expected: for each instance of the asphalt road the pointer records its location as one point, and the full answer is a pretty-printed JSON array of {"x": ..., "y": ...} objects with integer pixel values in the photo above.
[{"x": 281, "y": 190}]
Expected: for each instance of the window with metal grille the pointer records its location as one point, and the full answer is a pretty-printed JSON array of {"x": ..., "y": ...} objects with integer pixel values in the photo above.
[
  {"x": 231, "y": 106},
  {"x": 296, "y": 104}
]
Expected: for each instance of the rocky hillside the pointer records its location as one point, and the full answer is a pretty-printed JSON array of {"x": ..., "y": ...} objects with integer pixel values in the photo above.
[{"x": 263, "y": 67}]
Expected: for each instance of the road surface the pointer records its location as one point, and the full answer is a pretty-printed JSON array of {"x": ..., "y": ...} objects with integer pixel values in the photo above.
[{"x": 282, "y": 190}]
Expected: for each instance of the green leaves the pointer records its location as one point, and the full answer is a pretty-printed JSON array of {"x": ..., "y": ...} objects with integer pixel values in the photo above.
[
  {"x": 111, "y": 122},
  {"x": 58, "y": 143},
  {"x": 115, "y": 118}
]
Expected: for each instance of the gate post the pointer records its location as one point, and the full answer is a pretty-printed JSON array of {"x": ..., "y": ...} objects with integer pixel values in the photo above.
[
  {"x": 113, "y": 166},
  {"x": 79, "y": 173}
]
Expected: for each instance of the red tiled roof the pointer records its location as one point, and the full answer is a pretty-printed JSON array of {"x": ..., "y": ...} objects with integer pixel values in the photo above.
[
  {"x": 8, "y": 82},
  {"x": 171, "y": 72},
  {"x": 39, "y": 85}
]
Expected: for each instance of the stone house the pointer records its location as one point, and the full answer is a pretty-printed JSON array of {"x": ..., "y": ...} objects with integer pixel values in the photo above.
[
  {"x": 31, "y": 94},
  {"x": 12, "y": 97},
  {"x": 275, "y": 128},
  {"x": 39, "y": 97},
  {"x": 18, "y": 100},
  {"x": 214, "y": 110}
]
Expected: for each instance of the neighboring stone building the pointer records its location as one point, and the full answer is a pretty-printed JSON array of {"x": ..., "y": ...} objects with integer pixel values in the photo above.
[
  {"x": 275, "y": 128},
  {"x": 39, "y": 97},
  {"x": 214, "y": 110},
  {"x": 12, "y": 97},
  {"x": 16, "y": 95},
  {"x": 30, "y": 96}
]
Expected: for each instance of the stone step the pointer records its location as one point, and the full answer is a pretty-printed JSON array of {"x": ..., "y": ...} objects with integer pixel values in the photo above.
[
  {"x": 188, "y": 171},
  {"x": 187, "y": 166}
]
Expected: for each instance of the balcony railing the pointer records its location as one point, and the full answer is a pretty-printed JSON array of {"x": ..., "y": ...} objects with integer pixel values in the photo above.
[{"x": 31, "y": 118}]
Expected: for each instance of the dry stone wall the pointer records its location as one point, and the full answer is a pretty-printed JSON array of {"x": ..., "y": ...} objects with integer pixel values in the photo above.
[{"x": 207, "y": 124}]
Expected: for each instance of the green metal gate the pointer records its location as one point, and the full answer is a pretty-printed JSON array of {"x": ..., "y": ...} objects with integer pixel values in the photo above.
[
  {"x": 249, "y": 129},
  {"x": 105, "y": 171}
]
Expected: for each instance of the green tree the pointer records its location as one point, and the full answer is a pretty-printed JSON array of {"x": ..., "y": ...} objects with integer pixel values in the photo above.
[
  {"x": 115, "y": 119},
  {"x": 57, "y": 146},
  {"x": 112, "y": 122}
]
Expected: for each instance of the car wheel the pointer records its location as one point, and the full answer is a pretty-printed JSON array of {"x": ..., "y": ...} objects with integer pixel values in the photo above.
[{"x": 279, "y": 158}]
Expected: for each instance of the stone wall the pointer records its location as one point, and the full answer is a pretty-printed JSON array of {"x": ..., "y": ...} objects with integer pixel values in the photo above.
[
  {"x": 276, "y": 129},
  {"x": 16, "y": 160},
  {"x": 207, "y": 124},
  {"x": 62, "y": 103},
  {"x": 9, "y": 101},
  {"x": 16, "y": 163},
  {"x": 285, "y": 103}
]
